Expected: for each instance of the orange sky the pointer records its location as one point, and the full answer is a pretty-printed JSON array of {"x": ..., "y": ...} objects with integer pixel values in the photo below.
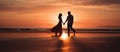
[{"x": 44, "y": 13}]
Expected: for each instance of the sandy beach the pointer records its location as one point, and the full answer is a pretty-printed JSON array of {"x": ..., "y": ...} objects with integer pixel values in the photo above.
[{"x": 55, "y": 44}]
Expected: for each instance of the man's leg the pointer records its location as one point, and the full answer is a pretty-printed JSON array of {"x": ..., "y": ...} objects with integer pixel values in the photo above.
[
  {"x": 73, "y": 30},
  {"x": 68, "y": 30}
]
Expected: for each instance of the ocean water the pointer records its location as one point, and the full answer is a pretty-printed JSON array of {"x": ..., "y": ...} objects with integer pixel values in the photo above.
[{"x": 47, "y": 35}]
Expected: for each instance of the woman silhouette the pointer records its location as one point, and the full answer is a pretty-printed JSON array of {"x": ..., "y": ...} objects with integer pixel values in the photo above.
[{"x": 58, "y": 27}]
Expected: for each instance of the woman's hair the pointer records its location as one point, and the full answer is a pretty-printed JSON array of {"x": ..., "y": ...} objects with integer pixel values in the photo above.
[{"x": 60, "y": 14}]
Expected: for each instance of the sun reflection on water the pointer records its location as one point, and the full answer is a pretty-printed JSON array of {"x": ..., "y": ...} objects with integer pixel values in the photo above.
[
  {"x": 66, "y": 43},
  {"x": 64, "y": 36}
]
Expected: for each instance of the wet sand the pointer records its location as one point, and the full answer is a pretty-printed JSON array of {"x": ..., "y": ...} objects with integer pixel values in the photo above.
[{"x": 53, "y": 44}]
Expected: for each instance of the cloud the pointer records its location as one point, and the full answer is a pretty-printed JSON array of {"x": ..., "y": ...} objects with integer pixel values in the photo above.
[
  {"x": 94, "y": 2},
  {"x": 25, "y": 10},
  {"x": 58, "y": 2},
  {"x": 30, "y": 5},
  {"x": 23, "y": 5},
  {"x": 105, "y": 4}
]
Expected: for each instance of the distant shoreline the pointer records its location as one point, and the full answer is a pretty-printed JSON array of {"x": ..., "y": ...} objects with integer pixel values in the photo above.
[{"x": 43, "y": 30}]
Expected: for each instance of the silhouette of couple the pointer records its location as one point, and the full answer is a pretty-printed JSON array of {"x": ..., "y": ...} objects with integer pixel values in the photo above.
[{"x": 58, "y": 27}]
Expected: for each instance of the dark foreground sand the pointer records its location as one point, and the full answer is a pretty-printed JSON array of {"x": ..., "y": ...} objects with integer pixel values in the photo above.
[{"x": 52, "y": 44}]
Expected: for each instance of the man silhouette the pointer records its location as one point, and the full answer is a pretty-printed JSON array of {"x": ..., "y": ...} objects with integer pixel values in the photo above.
[{"x": 70, "y": 20}]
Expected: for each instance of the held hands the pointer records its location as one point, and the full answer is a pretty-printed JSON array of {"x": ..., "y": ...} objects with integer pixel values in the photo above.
[{"x": 63, "y": 23}]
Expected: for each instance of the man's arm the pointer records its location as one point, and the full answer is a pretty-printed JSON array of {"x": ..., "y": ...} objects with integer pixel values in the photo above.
[{"x": 65, "y": 21}]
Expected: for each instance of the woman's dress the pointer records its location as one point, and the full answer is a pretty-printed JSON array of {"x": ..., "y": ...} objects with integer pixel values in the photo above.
[{"x": 58, "y": 27}]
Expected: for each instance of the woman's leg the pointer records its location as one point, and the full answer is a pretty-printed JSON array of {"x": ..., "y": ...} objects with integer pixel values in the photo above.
[{"x": 60, "y": 33}]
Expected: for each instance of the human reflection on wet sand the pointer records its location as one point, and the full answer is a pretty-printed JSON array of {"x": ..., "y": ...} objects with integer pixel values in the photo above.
[
  {"x": 99, "y": 44},
  {"x": 71, "y": 44},
  {"x": 62, "y": 43}
]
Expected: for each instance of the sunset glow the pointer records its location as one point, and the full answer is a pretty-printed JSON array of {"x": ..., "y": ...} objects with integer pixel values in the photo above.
[{"x": 44, "y": 13}]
